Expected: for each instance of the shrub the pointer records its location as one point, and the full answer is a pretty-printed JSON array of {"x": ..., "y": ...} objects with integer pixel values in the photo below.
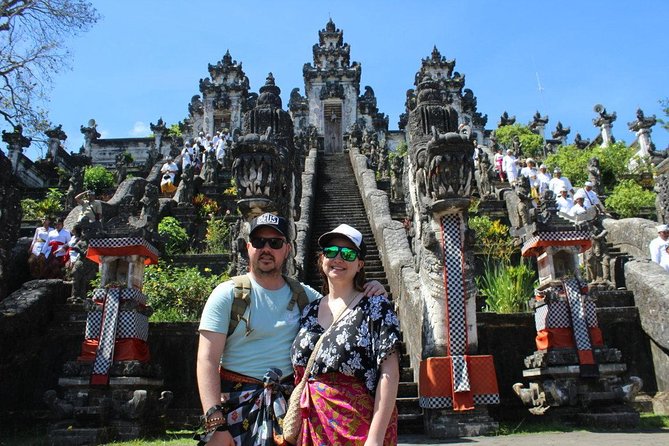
[
  {"x": 174, "y": 235},
  {"x": 205, "y": 206},
  {"x": 50, "y": 206},
  {"x": 613, "y": 163},
  {"x": 492, "y": 238},
  {"x": 507, "y": 288},
  {"x": 628, "y": 198},
  {"x": 97, "y": 178},
  {"x": 177, "y": 293},
  {"x": 217, "y": 237},
  {"x": 531, "y": 144}
]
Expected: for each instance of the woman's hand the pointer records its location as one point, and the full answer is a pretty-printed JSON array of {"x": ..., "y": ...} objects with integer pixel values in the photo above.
[
  {"x": 374, "y": 288},
  {"x": 221, "y": 438}
]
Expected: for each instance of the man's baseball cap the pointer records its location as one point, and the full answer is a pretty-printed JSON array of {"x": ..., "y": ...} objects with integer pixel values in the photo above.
[
  {"x": 348, "y": 232},
  {"x": 268, "y": 220}
]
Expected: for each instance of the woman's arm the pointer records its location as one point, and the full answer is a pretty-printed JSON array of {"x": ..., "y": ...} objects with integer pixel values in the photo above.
[{"x": 384, "y": 403}]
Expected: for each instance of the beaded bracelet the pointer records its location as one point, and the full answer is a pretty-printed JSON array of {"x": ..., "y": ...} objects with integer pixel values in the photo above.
[
  {"x": 214, "y": 422},
  {"x": 212, "y": 410}
]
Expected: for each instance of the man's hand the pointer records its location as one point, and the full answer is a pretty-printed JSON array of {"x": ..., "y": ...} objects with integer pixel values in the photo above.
[{"x": 375, "y": 288}]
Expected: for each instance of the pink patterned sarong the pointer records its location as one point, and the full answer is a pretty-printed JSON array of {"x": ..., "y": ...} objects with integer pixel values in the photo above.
[{"x": 340, "y": 412}]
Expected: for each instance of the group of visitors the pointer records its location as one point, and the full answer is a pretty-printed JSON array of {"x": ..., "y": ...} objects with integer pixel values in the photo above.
[
  {"x": 195, "y": 153},
  {"x": 245, "y": 363},
  {"x": 659, "y": 247}
]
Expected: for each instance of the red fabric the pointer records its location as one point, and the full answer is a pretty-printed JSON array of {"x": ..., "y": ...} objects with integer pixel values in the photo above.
[
  {"x": 564, "y": 338},
  {"x": 586, "y": 357},
  {"x": 140, "y": 250},
  {"x": 436, "y": 379},
  {"x": 532, "y": 251},
  {"x": 124, "y": 350},
  {"x": 338, "y": 410}
]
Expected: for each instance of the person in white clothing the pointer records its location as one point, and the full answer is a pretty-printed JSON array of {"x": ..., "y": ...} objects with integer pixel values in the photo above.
[
  {"x": 590, "y": 197},
  {"x": 510, "y": 166},
  {"x": 55, "y": 250},
  {"x": 530, "y": 168},
  {"x": 577, "y": 208},
  {"x": 35, "y": 262},
  {"x": 564, "y": 202},
  {"x": 169, "y": 171},
  {"x": 658, "y": 246},
  {"x": 558, "y": 182},
  {"x": 664, "y": 263}
]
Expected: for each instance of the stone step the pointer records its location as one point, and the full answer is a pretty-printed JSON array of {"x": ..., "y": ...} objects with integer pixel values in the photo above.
[{"x": 407, "y": 390}]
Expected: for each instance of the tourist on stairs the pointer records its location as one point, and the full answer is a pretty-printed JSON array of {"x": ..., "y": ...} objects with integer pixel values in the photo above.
[{"x": 354, "y": 375}]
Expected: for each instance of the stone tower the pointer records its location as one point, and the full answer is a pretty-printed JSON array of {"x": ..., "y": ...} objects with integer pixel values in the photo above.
[{"x": 332, "y": 86}]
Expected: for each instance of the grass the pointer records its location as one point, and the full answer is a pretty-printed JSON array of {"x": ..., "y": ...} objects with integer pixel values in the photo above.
[{"x": 36, "y": 435}]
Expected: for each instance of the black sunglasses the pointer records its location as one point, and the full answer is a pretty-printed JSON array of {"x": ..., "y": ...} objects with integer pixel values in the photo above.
[
  {"x": 274, "y": 243},
  {"x": 348, "y": 254}
]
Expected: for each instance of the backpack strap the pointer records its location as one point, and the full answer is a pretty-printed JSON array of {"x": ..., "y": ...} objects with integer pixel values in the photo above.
[
  {"x": 242, "y": 298},
  {"x": 298, "y": 294}
]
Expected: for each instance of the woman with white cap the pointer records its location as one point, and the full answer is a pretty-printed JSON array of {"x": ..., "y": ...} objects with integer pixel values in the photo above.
[
  {"x": 354, "y": 374},
  {"x": 658, "y": 246}
]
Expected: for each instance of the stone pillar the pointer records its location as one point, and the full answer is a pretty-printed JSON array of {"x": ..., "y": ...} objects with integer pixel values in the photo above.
[
  {"x": 16, "y": 142},
  {"x": 605, "y": 123},
  {"x": 159, "y": 131},
  {"x": 90, "y": 135}
]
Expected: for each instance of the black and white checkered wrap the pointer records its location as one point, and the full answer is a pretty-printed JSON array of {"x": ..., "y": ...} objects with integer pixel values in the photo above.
[
  {"x": 452, "y": 249},
  {"x": 133, "y": 294},
  {"x": 451, "y": 227},
  {"x": 122, "y": 242},
  {"x": 446, "y": 402},
  {"x": 105, "y": 353},
  {"x": 460, "y": 374},
  {"x": 552, "y": 315},
  {"x": 131, "y": 324},
  {"x": 578, "y": 318}
]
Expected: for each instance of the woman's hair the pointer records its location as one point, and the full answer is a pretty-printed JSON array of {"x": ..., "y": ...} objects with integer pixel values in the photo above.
[{"x": 358, "y": 281}]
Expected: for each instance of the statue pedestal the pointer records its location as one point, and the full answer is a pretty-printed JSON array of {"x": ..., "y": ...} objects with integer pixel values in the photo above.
[{"x": 445, "y": 423}]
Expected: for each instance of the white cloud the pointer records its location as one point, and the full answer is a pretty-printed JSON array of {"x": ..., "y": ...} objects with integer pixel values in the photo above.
[{"x": 140, "y": 129}]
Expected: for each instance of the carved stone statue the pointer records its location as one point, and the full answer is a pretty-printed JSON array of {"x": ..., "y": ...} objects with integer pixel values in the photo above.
[
  {"x": 210, "y": 171},
  {"x": 594, "y": 174},
  {"x": 485, "y": 170},
  {"x": 150, "y": 207},
  {"x": 581, "y": 143},
  {"x": 597, "y": 258},
  {"x": 121, "y": 168},
  {"x": 396, "y": 189},
  {"x": 524, "y": 206},
  {"x": 186, "y": 188},
  {"x": 75, "y": 187}
]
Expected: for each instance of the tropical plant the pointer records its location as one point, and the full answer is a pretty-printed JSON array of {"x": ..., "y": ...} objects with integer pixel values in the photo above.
[
  {"x": 50, "y": 206},
  {"x": 205, "y": 206},
  {"x": 492, "y": 239},
  {"x": 174, "y": 236},
  {"x": 217, "y": 236},
  {"x": 507, "y": 288},
  {"x": 174, "y": 130},
  {"x": 531, "y": 144},
  {"x": 178, "y": 293},
  {"x": 97, "y": 178},
  {"x": 400, "y": 151},
  {"x": 628, "y": 198}
]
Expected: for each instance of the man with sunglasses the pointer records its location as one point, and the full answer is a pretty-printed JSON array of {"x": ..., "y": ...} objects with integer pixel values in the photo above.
[{"x": 246, "y": 367}]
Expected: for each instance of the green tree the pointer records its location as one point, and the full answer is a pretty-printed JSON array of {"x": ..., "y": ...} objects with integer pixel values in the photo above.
[
  {"x": 613, "y": 163},
  {"x": 32, "y": 38},
  {"x": 174, "y": 131},
  {"x": 97, "y": 178},
  {"x": 665, "y": 109},
  {"x": 531, "y": 144},
  {"x": 628, "y": 198},
  {"x": 51, "y": 206}
]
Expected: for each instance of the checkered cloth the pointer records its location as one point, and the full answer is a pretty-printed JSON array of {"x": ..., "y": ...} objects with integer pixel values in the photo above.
[
  {"x": 446, "y": 402},
  {"x": 105, "y": 353}
]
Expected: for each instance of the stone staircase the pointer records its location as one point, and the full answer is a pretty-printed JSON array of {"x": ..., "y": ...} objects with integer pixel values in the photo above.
[{"x": 338, "y": 201}]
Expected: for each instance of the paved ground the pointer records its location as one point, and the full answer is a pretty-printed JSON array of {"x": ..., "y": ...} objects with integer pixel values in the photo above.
[{"x": 580, "y": 438}]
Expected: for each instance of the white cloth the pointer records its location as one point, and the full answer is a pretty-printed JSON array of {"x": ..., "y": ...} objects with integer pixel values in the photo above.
[
  {"x": 664, "y": 263},
  {"x": 170, "y": 168},
  {"x": 185, "y": 160},
  {"x": 510, "y": 167},
  {"x": 658, "y": 249},
  {"x": 591, "y": 199},
  {"x": 564, "y": 204},
  {"x": 74, "y": 254},
  {"x": 63, "y": 237},
  {"x": 528, "y": 171},
  {"x": 39, "y": 239},
  {"x": 555, "y": 184},
  {"x": 576, "y": 209}
]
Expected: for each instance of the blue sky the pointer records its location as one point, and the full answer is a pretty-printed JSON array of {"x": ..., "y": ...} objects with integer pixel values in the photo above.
[{"x": 144, "y": 59}]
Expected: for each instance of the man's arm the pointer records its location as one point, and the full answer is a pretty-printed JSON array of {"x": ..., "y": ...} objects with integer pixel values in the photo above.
[{"x": 209, "y": 352}]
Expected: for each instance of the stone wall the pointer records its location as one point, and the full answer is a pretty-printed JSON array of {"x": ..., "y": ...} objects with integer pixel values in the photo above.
[
  {"x": 303, "y": 225},
  {"x": 396, "y": 256},
  {"x": 649, "y": 283}
]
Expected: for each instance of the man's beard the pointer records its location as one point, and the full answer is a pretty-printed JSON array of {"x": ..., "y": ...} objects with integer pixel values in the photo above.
[{"x": 263, "y": 271}]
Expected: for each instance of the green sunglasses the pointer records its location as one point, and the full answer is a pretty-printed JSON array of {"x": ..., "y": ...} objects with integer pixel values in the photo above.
[{"x": 348, "y": 254}]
